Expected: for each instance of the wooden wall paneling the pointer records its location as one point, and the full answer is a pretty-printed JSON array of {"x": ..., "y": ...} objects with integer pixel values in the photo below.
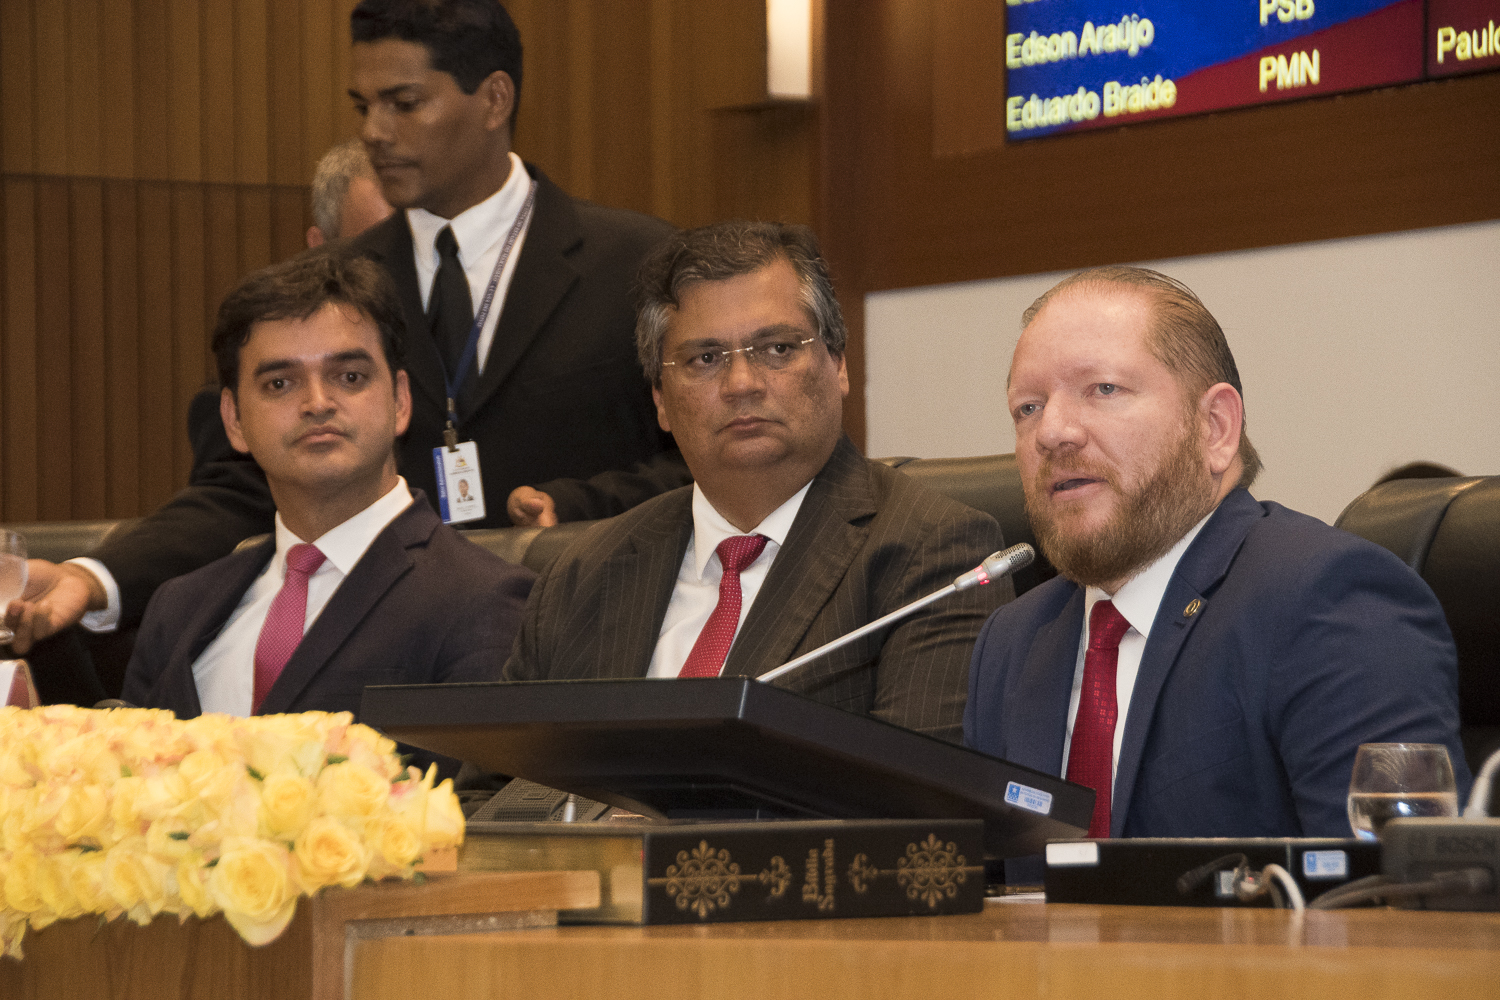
[
  {"x": 189, "y": 90},
  {"x": 581, "y": 119},
  {"x": 54, "y": 376},
  {"x": 253, "y": 73},
  {"x": 218, "y": 120},
  {"x": 19, "y": 388},
  {"x": 284, "y": 65},
  {"x": 17, "y": 137},
  {"x": 254, "y": 225},
  {"x": 116, "y": 88},
  {"x": 155, "y": 126},
  {"x": 291, "y": 215},
  {"x": 321, "y": 91},
  {"x": 664, "y": 121},
  {"x": 204, "y": 257},
  {"x": 81, "y": 127},
  {"x": 620, "y": 97},
  {"x": 50, "y": 76},
  {"x": 122, "y": 321},
  {"x": 162, "y": 278},
  {"x": 88, "y": 446},
  {"x": 542, "y": 132}
]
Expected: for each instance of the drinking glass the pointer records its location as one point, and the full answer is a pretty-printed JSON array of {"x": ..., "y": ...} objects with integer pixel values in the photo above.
[
  {"x": 12, "y": 575},
  {"x": 1397, "y": 780}
]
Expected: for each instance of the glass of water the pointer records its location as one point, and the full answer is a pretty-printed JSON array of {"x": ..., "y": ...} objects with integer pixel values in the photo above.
[
  {"x": 1397, "y": 780},
  {"x": 12, "y": 575}
]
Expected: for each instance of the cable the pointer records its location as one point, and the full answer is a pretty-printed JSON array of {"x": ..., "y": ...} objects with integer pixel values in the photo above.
[
  {"x": 1272, "y": 880},
  {"x": 1293, "y": 890},
  {"x": 1460, "y": 882},
  {"x": 1479, "y": 798}
]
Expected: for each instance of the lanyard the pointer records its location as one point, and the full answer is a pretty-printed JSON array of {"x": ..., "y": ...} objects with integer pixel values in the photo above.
[{"x": 471, "y": 349}]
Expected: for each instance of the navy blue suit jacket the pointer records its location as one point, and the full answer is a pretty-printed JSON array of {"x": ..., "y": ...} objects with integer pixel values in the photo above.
[
  {"x": 422, "y": 606},
  {"x": 1246, "y": 714}
]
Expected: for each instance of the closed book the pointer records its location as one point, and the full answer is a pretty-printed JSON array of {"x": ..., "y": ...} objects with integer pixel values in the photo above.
[{"x": 702, "y": 872}]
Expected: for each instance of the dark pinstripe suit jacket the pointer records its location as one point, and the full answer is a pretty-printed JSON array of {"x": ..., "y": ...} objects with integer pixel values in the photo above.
[{"x": 866, "y": 541}]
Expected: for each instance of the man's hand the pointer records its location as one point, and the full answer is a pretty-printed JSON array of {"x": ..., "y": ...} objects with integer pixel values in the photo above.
[
  {"x": 56, "y": 596},
  {"x": 531, "y": 508}
]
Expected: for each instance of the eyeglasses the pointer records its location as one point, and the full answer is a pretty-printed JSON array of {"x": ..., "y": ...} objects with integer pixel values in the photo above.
[{"x": 699, "y": 365}]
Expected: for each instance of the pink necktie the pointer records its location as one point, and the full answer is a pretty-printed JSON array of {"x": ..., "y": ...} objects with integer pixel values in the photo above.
[
  {"x": 282, "y": 631},
  {"x": 707, "y": 657},
  {"x": 1091, "y": 756}
]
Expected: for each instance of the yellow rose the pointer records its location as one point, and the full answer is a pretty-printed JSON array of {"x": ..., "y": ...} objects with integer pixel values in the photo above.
[
  {"x": 83, "y": 812},
  {"x": 329, "y": 853},
  {"x": 348, "y": 789},
  {"x": 87, "y": 757},
  {"x": 135, "y": 880},
  {"x": 200, "y": 768},
  {"x": 394, "y": 839},
  {"x": 12, "y": 930},
  {"x": 21, "y": 881},
  {"x": 286, "y": 804},
  {"x": 168, "y": 838},
  {"x": 56, "y": 889},
  {"x": 253, "y": 885},
  {"x": 192, "y": 885},
  {"x": 445, "y": 817},
  {"x": 85, "y": 874}
]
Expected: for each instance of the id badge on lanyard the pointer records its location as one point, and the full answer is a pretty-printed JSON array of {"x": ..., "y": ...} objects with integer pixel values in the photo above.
[{"x": 459, "y": 481}]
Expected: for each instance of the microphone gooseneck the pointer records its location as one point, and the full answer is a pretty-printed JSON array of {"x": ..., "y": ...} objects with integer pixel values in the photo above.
[{"x": 999, "y": 564}]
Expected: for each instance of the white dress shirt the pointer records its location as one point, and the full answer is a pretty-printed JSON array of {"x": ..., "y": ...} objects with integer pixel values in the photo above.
[
  {"x": 1138, "y": 601},
  {"x": 697, "y": 591},
  {"x": 225, "y": 671},
  {"x": 480, "y": 231}
]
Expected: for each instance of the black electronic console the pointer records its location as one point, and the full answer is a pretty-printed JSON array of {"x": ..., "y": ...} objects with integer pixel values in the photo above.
[
  {"x": 1433, "y": 850},
  {"x": 730, "y": 748},
  {"x": 1198, "y": 871}
]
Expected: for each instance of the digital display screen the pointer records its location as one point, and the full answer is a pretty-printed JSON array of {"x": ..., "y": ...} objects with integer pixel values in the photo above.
[{"x": 1081, "y": 64}]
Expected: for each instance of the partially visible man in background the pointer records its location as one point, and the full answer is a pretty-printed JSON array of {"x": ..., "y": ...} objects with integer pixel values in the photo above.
[{"x": 346, "y": 198}]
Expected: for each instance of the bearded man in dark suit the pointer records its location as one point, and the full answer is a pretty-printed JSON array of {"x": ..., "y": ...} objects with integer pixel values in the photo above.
[{"x": 789, "y": 537}]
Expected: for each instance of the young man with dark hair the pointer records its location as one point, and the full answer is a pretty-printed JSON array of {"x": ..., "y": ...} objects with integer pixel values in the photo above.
[
  {"x": 361, "y": 583},
  {"x": 552, "y": 390},
  {"x": 789, "y": 538}
]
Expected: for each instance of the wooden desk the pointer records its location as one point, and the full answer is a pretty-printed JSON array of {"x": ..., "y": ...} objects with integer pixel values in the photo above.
[
  {"x": 206, "y": 960},
  {"x": 1011, "y": 949}
]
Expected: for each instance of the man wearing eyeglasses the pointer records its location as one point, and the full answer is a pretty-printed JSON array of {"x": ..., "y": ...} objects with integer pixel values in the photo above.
[{"x": 788, "y": 538}]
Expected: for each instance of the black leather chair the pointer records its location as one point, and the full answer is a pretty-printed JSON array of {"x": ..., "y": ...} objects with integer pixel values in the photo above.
[{"x": 1448, "y": 530}]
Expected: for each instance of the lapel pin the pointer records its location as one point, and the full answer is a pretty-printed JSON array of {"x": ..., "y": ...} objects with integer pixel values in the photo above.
[{"x": 1194, "y": 606}]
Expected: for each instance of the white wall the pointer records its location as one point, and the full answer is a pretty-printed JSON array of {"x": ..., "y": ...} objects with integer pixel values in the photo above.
[{"x": 1356, "y": 355}]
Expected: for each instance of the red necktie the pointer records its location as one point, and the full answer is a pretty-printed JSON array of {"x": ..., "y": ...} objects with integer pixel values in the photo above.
[
  {"x": 282, "y": 631},
  {"x": 1091, "y": 756},
  {"x": 707, "y": 657}
]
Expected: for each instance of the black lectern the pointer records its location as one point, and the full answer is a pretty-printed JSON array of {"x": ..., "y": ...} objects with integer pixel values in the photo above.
[{"x": 730, "y": 748}]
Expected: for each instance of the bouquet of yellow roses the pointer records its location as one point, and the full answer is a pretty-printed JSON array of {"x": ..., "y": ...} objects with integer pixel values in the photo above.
[{"x": 134, "y": 812}]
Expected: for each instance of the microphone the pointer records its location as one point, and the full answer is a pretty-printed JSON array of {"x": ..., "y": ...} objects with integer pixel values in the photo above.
[{"x": 999, "y": 564}]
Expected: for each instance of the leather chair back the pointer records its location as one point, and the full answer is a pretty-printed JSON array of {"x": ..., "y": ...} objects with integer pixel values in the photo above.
[{"x": 1448, "y": 530}]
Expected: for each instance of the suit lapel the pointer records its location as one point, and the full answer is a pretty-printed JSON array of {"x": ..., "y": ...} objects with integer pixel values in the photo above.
[
  {"x": 543, "y": 275},
  {"x": 1197, "y": 577},
  {"x": 640, "y": 581},
  {"x": 1034, "y": 736},
  {"x": 390, "y": 243},
  {"x": 384, "y": 562},
  {"x": 820, "y": 546},
  {"x": 176, "y": 688}
]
